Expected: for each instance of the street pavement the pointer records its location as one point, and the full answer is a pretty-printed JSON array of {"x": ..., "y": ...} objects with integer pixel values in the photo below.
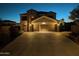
[{"x": 42, "y": 44}]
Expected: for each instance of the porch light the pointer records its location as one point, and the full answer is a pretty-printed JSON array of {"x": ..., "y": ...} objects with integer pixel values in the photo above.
[
  {"x": 43, "y": 22},
  {"x": 30, "y": 24},
  {"x": 58, "y": 24},
  {"x": 32, "y": 16}
]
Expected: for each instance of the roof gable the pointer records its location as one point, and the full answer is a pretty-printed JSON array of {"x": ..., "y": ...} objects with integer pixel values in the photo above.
[{"x": 44, "y": 19}]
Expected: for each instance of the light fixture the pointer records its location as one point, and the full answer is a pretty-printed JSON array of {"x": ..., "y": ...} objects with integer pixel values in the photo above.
[
  {"x": 58, "y": 24},
  {"x": 43, "y": 22}
]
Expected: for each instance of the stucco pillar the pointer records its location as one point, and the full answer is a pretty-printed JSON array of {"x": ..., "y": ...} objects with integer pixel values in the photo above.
[
  {"x": 39, "y": 26},
  {"x": 58, "y": 28}
]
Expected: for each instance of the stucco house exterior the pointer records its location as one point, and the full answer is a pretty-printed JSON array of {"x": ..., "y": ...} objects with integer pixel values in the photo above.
[{"x": 34, "y": 20}]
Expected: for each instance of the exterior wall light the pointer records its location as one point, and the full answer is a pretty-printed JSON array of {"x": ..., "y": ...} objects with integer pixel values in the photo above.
[
  {"x": 43, "y": 22},
  {"x": 58, "y": 24}
]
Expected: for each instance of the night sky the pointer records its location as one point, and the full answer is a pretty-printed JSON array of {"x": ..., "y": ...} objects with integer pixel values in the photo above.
[{"x": 12, "y": 11}]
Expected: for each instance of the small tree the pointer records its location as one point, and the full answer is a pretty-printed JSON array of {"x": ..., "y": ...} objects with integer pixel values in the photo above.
[{"x": 74, "y": 14}]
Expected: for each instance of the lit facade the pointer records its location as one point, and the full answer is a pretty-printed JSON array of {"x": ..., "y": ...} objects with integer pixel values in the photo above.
[{"x": 39, "y": 21}]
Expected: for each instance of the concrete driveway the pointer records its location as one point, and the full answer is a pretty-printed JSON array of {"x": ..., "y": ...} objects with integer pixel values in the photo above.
[{"x": 42, "y": 44}]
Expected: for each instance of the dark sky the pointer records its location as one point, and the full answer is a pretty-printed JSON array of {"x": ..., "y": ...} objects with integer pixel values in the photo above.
[{"x": 12, "y": 11}]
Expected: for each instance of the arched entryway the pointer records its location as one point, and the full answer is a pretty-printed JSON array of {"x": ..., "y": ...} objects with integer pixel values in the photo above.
[{"x": 44, "y": 23}]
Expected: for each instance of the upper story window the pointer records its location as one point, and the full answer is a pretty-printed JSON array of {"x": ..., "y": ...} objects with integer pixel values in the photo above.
[{"x": 23, "y": 17}]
